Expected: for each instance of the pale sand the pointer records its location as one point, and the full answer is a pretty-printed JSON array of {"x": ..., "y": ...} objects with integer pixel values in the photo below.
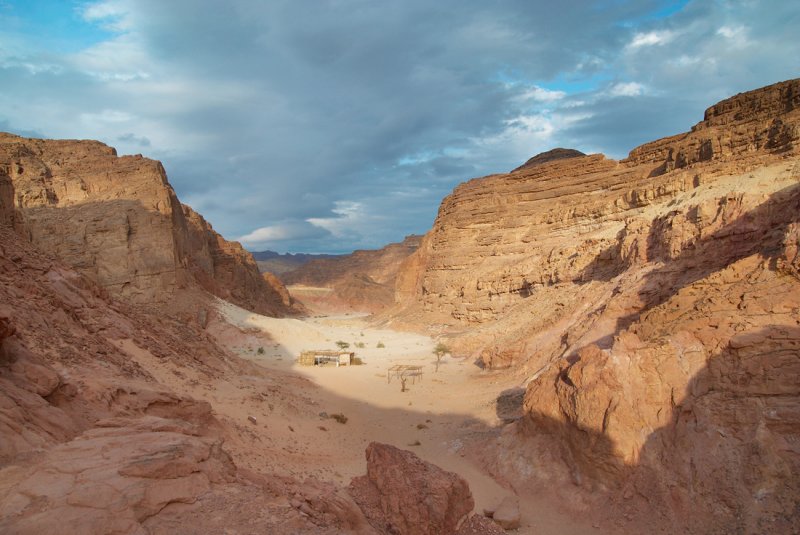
[{"x": 440, "y": 412}]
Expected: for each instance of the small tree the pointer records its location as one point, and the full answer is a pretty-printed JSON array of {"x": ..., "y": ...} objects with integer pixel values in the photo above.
[
  {"x": 342, "y": 344},
  {"x": 440, "y": 350}
]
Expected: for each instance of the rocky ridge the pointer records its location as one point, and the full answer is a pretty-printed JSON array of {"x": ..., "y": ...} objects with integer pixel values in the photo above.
[
  {"x": 117, "y": 220},
  {"x": 650, "y": 306},
  {"x": 363, "y": 280}
]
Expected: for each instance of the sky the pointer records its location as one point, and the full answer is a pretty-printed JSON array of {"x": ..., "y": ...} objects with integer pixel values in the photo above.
[{"x": 334, "y": 125}]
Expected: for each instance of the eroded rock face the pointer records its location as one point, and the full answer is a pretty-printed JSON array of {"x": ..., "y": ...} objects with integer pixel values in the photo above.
[
  {"x": 118, "y": 220},
  {"x": 92, "y": 442},
  {"x": 363, "y": 280},
  {"x": 501, "y": 241},
  {"x": 404, "y": 495},
  {"x": 652, "y": 306},
  {"x": 140, "y": 472}
]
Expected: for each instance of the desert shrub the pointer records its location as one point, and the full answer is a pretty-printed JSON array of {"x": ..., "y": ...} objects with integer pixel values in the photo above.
[
  {"x": 339, "y": 417},
  {"x": 260, "y": 351},
  {"x": 342, "y": 344},
  {"x": 380, "y": 345}
]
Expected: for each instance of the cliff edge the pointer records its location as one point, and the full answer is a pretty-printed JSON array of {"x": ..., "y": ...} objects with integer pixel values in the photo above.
[{"x": 118, "y": 220}]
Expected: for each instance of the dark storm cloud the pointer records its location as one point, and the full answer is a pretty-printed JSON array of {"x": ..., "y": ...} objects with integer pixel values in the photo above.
[{"x": 331, "y": 125}]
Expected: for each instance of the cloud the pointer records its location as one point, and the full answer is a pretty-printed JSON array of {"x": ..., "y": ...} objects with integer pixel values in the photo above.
[
  {"x": 277, "y": 235},
  {"x": 350, "y": 218},
  {"x": 134, "y": 140},
  {"x": 626, "y": 89},
  {"x": 111, "y": 14},
  {"x": 653, "y": 38},
  {"x": 336, "y": 125},
  {"x": 540, "y": 94}
]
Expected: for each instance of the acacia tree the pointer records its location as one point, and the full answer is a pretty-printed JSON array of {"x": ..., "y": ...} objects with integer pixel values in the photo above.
[
  {"x": 440, "y": 350},
  {"x": 342, "y": 344}
]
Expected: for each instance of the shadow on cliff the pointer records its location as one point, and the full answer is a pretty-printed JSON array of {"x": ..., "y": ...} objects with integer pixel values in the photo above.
[
  {"x": 758, "y": 231},
  {"x": 144, "y": 253},
  {"x": 726, "y": 454},
  {"x": 725, "y": 461}
]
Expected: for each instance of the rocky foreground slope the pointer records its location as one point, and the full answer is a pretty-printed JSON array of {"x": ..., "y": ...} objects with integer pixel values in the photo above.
[
  {"x": 652, "y": 306},
  {"x": 118, "y": 221},
  {"x": 91, "y": 441}
]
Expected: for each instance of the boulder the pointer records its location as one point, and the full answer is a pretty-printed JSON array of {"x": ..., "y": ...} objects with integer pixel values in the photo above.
[
  {"x": 402, "y": 494},
  {"x": 506, "y": 515}
]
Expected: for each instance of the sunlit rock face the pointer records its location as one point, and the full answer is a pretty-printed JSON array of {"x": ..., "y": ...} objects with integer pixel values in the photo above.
[
  {"x": 653, "y": 306},
  {"x": 117, "y": 219}
]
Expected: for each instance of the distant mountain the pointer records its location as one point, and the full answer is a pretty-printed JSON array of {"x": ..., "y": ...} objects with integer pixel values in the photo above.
[
  {"x": 278, "y": 263},
  {"x": 363, "y": 280}
]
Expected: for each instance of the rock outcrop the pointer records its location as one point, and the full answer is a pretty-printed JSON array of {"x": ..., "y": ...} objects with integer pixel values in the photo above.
[
  {"x": 98, "y": 433},
  {"x": 405, "y": 495},
  {"x": 117, "y": 220},
  {"x": 363, "y": 280},
  {"x": 550, "y": 156},
  {"x": 650, "y": 306}
]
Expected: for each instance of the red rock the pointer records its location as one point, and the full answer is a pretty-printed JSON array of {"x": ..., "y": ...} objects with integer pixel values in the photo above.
[
  {"x": 405, "y": 495},
  {"x": 652, "y": 304},
  {"x": 118, "y": 220}
]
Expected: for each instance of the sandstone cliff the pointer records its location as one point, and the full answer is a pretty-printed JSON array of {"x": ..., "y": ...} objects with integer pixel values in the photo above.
[
  {"x": 117, "y": 220},
  {"x": 651, "y": 307},
  {"x": 92, "y": 439},
  {"x": 363, "y": 280}
]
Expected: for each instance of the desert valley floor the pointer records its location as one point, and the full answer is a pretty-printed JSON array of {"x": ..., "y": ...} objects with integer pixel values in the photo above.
[{"x": 437, "y": 418}]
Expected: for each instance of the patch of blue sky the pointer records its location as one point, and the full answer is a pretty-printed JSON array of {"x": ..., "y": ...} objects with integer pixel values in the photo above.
[
  {"x": 574, "y": 84},
  {"x": 570, "y": 83},
  {"x": 416, "y": 159},
  {"x": 664, "y": 10},
  {"x": 53, "y": 24},
  {"x": 669, "y": 9}
]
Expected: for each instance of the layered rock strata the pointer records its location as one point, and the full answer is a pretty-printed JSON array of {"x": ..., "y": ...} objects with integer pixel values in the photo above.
[
  {"x": 650, "y": 305},
  {"x": 117, "y": 220},
  {"x": 91, "y": 441}
]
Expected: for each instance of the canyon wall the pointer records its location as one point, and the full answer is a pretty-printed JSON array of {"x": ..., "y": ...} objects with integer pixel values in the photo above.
[
  {"x": 117, "y": 220},
  {"x": 363, "y": 280},
  {"x": 650, "y": 306}
]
